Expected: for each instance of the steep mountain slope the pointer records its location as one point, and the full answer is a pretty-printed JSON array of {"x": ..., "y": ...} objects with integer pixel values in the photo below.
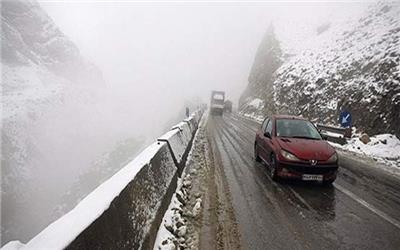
[
  {"x": 268, "y": 59},
  {"x": 30, "y": 37},
  {"x": 261, "y": 79},
  {"x": 355, "y": 66},
  {"x": 52, "y": 129}
]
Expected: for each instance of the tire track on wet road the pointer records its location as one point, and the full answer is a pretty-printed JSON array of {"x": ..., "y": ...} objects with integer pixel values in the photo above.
[{"x": 297, "y": 215}]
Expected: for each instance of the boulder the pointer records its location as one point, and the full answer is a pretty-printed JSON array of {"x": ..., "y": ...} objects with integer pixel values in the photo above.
[{"x": 365, "y": 138}]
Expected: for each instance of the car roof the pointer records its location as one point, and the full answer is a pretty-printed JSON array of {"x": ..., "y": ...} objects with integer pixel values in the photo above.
[{"x": 288, "y": 117}]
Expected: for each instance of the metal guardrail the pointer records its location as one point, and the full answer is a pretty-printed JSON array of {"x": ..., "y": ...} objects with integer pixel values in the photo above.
[
  {"x": 346, "y": 132},
  {"x": 342, "y": 132}
]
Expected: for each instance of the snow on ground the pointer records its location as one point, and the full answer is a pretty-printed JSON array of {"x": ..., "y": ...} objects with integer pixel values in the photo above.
[
  {"x": 253, "y": 116},
  {"x": 257, "y": 103},
  {"x": 173, "y": 228},
  {"x": 253, "y": 109},
  {"x": 385, "y": 148}
]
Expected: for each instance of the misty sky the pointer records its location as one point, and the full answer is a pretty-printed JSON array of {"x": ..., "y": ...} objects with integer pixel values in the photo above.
[{"x": 177, "y": 51}]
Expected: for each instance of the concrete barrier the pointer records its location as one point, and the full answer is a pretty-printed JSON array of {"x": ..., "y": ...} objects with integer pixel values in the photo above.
[
  {"x": 184, "y": 127},
  {"x": 125, "y": 211},
  {"x": 179, "y": 140},
  {"x": 192, "y": 122},
  {"x": 177, "y": 143}
]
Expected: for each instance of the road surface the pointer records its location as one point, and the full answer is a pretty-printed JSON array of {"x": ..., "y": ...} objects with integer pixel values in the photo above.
[{"x": 360, "y": 211}]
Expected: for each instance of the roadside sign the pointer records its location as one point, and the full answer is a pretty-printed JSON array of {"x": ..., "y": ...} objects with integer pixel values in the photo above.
[{"x": 345, "y": 119}]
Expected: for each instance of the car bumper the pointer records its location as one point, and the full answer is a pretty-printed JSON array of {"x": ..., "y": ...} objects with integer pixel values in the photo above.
[{"x": 296, "y": 171}]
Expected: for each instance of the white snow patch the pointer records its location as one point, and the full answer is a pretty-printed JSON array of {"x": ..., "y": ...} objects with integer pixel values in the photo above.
[
  {"x": 13, "y": 245},
  {"x": 197, "y": 207},
  {"x": 254, "y": 117},
  {"x": 385, "y": 148},
  {"x": 165, "y": 238},
  {"x": 257, "y": 103}
]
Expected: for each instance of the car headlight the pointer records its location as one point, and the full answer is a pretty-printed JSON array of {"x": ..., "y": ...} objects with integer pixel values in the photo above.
[
  {"x": 289, "y": 156},
  {"x": 333, "y": 158}
]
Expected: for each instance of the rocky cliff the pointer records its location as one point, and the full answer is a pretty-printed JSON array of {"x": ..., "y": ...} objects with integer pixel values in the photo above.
[
  {"x": 355, "y": 66},
  {"x": 29, "y": 37}
]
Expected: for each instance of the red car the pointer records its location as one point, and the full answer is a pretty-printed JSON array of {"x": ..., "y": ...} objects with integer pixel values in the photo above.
[{"x": 294, "y": 149}]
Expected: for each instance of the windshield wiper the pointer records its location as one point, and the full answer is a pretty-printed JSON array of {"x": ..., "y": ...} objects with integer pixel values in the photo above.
[{"x": 305, "y": 137}]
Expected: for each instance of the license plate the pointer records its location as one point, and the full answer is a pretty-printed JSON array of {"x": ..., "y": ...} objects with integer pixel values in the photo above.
[{"x": 312, "y": 177}]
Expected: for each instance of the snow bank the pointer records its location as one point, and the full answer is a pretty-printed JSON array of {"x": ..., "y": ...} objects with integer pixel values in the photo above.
[
  {"x": 165, "y": 237},
  {"x": 384, "y": 147}
]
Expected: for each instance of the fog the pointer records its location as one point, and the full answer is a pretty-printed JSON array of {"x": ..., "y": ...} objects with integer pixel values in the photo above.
[
  {"x": 173, "y": 52},
  {"x": 156, "y": 59},
  {"x": 170, "y": 51}
]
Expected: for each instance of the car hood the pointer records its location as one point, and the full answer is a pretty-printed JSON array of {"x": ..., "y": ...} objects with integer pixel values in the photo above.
[{"x": 307, "y": 149}]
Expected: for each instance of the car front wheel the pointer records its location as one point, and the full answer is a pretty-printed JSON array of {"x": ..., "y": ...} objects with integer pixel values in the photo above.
[
  {"x": 328, "y": 182},
  {"x": 274, "y": 171},
  {"x": 256, "y": 156}
]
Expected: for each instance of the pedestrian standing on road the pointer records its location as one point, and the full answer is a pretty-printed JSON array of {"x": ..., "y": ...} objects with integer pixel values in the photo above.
[{"x": 187, "y": 112}]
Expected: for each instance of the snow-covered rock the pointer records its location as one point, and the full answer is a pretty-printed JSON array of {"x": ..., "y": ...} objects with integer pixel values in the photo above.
[{"x": 364, "y": 138}]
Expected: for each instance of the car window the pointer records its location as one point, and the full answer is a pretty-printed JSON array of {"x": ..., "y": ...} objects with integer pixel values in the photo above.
[
  {"x": 264, "y": 124},
  {"x": 269, "y": 128},
  {"x": 296, "y": 128}
]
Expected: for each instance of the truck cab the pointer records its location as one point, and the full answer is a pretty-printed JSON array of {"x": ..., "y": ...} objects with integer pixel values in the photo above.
[{"x": 217, "y": 103}]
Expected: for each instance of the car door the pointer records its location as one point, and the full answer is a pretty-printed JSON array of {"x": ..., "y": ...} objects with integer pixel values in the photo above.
[
  {"x": 268, "y": 144},
  {"x": 262, "y": 142},
  {"x": 259, "y": 134}
]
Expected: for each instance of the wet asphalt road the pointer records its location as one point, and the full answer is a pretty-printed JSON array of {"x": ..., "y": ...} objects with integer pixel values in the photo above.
[{"x": 360, "y": 211}]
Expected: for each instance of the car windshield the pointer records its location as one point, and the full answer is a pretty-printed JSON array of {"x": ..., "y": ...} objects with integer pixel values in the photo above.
[{"x": 296, "y": 129}]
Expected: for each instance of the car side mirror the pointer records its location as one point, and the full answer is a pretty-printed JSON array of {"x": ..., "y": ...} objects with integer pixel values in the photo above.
[{"x": 267, "y": 134}]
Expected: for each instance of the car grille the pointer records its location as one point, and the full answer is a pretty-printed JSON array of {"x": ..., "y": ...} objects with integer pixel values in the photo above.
[{"x": 318, "y": 169}]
